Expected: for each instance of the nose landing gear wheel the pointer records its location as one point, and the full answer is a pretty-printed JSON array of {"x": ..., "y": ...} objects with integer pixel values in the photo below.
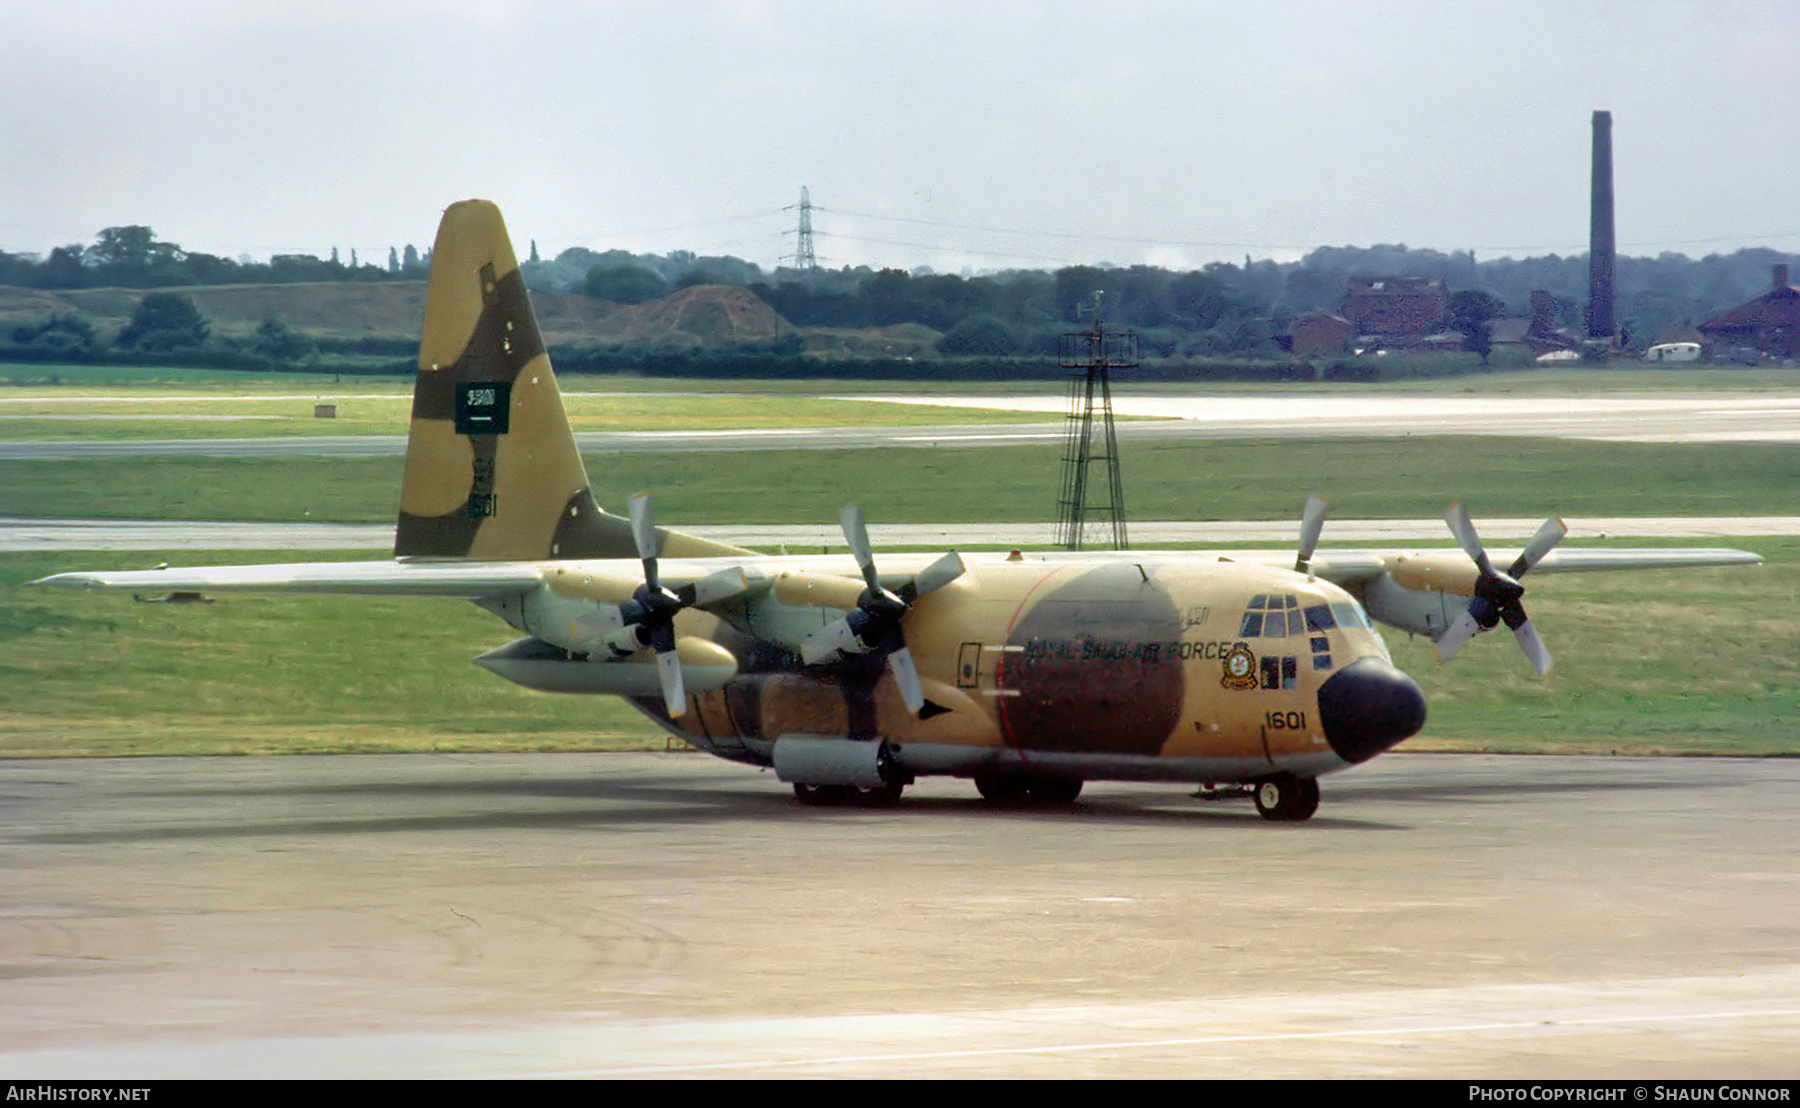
[{"x": 1287, "y": 798}]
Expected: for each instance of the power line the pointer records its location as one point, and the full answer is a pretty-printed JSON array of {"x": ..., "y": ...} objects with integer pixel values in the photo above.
[
  {"x": 1239, "y": 245},
  {"x": 945, "y": 249}
]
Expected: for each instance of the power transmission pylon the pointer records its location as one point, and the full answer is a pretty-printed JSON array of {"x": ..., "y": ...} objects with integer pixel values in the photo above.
[
  {"x": 803, "y": 255},
  {"x": 1094, "y": 353}
]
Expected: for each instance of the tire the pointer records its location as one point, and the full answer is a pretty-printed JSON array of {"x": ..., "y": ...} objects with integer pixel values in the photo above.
[
  {"x": 822, "y": 796},
  {"x": 1002, "y": 788},
  {"x": 882, "y": 796},
  {"x": 1055, "y": 790},
  {"x": 1286, "y": 798}
]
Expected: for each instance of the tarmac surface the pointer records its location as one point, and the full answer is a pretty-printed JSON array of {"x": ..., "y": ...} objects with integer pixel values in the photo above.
[
  {"x": 1763, "y": 417},
  {"x": 673, "y": 915}
]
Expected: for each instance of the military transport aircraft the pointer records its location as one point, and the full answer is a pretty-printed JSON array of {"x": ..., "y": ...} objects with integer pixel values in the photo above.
[{"x": 1030, "y": 673}]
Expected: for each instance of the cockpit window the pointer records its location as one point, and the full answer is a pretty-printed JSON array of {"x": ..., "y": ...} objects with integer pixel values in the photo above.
[
  {"x": 1273, "y": 616},
  {"x": 1279, "y": 615}
]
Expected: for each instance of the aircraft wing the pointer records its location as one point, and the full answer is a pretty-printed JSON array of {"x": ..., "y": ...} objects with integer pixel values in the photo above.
[
  {"x": 1355, "y": 567},
  {"x": 462, "y": 580},
  {"x": 1573, "y": 561}
]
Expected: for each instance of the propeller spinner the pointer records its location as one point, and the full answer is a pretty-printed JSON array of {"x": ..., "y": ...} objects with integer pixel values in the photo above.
[
  {"x": 873, "y": 626},
  {"x": 1498, "y": 595}
]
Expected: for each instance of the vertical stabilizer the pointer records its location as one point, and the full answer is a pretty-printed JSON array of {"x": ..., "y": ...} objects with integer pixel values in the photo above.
[{"x": 492, "y": 471}]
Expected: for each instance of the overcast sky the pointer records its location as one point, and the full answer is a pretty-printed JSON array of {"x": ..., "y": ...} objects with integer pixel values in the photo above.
[{"x": 969, "y": 133}]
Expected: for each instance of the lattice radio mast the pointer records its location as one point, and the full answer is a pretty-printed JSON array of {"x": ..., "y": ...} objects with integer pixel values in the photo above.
[
  {"x": 803, "y": 255},
  {"x": 1093, "y": 353}
]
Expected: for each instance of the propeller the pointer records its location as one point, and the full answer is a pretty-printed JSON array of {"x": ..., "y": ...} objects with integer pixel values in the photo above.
[
  {"x": 648, "y": 618},
  {"x": 873, "y": 625},
  {"x": 1312, "y": 521},
  {"x": 1498, "y": 595}
]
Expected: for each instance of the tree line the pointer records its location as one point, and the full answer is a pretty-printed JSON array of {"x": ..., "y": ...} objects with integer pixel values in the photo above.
[
  {"x": 134, "y": 258},
  {"x": 1223, "y": 310}
]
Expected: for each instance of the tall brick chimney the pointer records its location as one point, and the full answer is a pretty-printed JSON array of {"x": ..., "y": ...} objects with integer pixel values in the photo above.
[
  {"x": 1781, "y": 276},
  {"x": 1601, "y": 244}
]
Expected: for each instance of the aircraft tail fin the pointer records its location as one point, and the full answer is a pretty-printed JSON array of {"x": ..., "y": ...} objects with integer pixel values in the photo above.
[{"x": 492, "y": 470}]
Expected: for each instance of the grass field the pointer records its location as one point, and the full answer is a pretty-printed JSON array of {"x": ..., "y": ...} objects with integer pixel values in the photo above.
[
  {"x": 1247, "y": 479},
  {"x": 106, "y": 414},
  {"x": 1701, "y": 661}
]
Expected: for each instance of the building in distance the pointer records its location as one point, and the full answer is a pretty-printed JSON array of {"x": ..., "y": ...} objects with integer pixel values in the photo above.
[{"x": 1766, "y": 328}]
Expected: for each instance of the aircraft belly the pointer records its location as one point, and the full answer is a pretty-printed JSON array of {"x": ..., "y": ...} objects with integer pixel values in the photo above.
[{"x": 926, "y": 759}]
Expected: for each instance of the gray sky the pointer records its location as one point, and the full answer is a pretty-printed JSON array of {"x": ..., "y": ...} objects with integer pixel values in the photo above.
[{"x": 1175, "y": 133}]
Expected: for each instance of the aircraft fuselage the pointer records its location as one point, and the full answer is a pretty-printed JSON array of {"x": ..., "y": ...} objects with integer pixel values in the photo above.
[{"x": 1118, "y": 667}]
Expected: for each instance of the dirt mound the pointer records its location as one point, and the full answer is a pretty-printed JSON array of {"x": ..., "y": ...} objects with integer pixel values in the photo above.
[
  {"x": 704, "y": 316},
  {"x": 707, "y": 316}
]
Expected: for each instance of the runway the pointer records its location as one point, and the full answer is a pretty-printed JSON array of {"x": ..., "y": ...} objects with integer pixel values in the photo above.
[
  {"x": 1764, "y": 417},
  {"x": 671, "y": 915},
  {"x": 1767, "y": 417}
]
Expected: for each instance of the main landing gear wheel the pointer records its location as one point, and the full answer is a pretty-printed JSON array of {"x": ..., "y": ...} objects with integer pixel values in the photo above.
[
  {"x": 823, "y": 796},
  {"x": 881, "y": 796},
  {"x": 1287, "y": 798},
  {"x": 1002, "y": 787},
  {"x": 1055, "y": 790}
]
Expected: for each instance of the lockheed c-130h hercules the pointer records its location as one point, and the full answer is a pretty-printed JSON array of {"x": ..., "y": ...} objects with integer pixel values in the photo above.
[{"x": 1028, "y": 673}]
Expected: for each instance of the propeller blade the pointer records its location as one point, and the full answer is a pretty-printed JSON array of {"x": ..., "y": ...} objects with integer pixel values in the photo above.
[
  {"x": 715, "y": 587},
  {"x": 668, "y": 668},
  {"x": 1497, "y": 594},
  {"x": 1464, "y": 530},
  {"x": 906, "y": 676},
  {"x": 1548, "y": 535},
  {"x": 1463, "y": 628},
  {"x": 872, "y": 623},
  {"x": 850, "y": 517},
  {"x": 825, "y": 644},
  {"x": 643, "y": 534},
  {"x": 938, "y": 574},
  {"x": 643, "y": 525},
  {"x": 1312, "y": 522},
  {"x": 1533, "y": 646}
]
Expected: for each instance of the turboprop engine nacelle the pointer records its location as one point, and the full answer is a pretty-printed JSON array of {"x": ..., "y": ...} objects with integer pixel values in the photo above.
[{"x": 1425, "y": 612}]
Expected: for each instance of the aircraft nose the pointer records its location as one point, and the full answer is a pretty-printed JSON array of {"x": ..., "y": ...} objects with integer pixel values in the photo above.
[{"x": 1369, "y": 706}]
